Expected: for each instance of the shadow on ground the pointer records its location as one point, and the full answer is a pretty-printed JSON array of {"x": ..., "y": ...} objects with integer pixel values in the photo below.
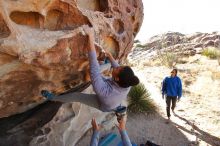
[
  {"x": 205, "y": 136},
  {"x": 151, "y": 127}
]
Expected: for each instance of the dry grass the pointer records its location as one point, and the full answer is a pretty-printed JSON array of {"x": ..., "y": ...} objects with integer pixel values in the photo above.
[
  {"x": 168, "y": 59},
  {"x": 212, "y": 53}
]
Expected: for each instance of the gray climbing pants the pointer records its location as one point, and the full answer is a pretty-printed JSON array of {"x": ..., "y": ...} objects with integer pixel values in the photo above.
[{"x": 88, "y": 99}]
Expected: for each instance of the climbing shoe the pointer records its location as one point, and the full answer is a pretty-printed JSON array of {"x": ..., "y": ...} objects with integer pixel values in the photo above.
[
  {"x": 47, "y": 94},
  {"x": 120, "y": 112}
]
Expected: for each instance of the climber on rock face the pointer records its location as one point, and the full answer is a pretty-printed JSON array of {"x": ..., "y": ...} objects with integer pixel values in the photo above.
[{"x": 109, "y": 92}]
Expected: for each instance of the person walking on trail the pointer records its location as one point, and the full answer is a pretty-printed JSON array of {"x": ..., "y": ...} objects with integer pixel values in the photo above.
[
  {"x": 172, "y": 89},
  {"x": 121, "y": 127},
  {"x": 111, "y": 92}
]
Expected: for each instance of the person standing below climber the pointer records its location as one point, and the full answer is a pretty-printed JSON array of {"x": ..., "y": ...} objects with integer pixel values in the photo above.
[
  {"x": 110, "y": 92},
  {"x": 172, "y": 89}
]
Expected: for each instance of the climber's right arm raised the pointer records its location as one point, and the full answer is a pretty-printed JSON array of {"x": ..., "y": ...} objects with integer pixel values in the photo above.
[{"x": 99, "y": 85}]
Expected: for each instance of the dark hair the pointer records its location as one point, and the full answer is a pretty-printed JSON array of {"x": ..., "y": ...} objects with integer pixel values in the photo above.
[
  {"x": 127, "y": 77},
  {"x": 175, "y": 70}
]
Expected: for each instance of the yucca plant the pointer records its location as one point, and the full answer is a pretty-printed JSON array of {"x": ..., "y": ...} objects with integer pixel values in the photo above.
[{"x": 139, "y": 100}]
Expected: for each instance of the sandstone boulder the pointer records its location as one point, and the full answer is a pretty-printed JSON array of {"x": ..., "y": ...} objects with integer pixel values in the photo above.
[
  {"x": 177, "y": 44},
  {"x": 42, "y": 44}
]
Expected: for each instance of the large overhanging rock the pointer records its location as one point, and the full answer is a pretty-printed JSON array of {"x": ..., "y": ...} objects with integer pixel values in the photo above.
[
  {"x": 52, "y": 124},
  {"x": 42, "y": 45}
]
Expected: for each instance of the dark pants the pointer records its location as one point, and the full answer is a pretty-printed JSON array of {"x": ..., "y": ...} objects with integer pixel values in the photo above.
[{"x": 168, "y": 101}]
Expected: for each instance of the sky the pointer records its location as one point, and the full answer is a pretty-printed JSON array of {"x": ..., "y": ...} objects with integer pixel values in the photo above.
[{"x": 184, "y": 16}]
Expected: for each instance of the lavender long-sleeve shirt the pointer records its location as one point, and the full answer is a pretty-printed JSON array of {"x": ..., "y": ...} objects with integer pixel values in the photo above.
[{"x": 109, "y": 93}]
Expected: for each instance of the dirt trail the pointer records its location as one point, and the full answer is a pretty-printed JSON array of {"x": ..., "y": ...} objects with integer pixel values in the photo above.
[{"x": 197, "y": 114}]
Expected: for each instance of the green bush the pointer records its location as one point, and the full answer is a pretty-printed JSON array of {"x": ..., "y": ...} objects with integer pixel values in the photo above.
[
  {"x": 168, "y": 59},
  {"x": 211, "y": 53},
  {"x": 140, "y": 46},
  {"x": 139, "y": 100}
]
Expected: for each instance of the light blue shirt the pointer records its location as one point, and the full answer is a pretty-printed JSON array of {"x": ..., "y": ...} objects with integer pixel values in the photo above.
[
  {"x": 124, "y": 136},
  {"x": 109, "y": 93}
]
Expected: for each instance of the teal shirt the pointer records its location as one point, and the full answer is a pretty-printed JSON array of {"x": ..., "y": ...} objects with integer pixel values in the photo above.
[{"x": 124, "y": 136}]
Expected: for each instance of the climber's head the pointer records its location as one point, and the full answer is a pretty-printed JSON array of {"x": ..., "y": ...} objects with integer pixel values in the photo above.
[{"x": 124, "y": 76}]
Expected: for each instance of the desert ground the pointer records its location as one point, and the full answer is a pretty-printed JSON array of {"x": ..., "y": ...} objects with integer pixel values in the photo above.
[{"x": 197, "y": 119}]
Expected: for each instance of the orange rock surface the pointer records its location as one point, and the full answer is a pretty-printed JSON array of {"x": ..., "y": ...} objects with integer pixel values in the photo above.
[{"x": 42, "y": 45}]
